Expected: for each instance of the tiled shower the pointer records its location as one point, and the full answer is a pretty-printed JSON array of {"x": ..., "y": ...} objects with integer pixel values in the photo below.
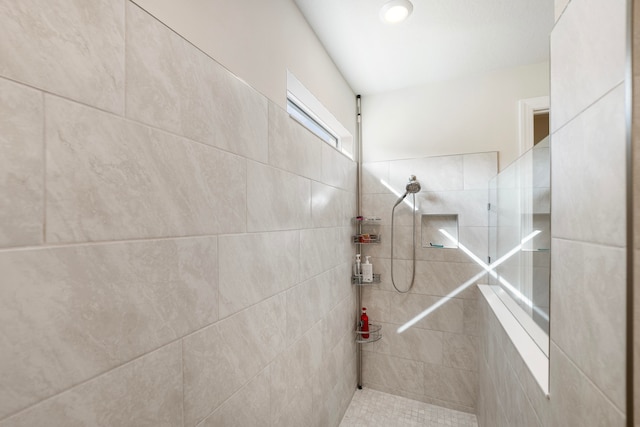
[
  {"x": 435, "y": 360},
  {"x": 176, "y": 251}
]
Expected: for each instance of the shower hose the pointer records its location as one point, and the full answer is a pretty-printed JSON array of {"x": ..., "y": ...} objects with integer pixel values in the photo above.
[{"x": 413, "y": 269}]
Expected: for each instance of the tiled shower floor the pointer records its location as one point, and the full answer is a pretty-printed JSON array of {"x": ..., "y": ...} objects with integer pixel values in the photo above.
[{"x": 372, "y": 408}]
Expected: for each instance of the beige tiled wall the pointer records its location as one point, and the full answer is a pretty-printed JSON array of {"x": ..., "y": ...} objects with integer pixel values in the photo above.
[
  {"x": 174, "y": 249},
  {"x": 588, "y": 265},
  {"x": 435, "y": 361}
]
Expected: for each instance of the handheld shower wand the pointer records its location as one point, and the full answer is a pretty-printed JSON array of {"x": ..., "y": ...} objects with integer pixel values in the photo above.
[{"x": 413, "y": 186}]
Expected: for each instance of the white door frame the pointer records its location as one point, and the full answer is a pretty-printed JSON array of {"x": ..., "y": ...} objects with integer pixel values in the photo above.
[{"x": 527, "y": 108}]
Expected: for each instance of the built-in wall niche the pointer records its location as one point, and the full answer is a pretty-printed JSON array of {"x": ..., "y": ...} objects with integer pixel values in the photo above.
[
  {"x": 439, "y": 231},
  {"x": 540, "y": 224}
]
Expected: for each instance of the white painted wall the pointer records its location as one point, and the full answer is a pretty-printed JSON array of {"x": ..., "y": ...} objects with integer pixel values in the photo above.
[
  {"x": 475, "y": 114},
  {"x": 560, "y": 5},
  {"x": 258, "y": 41}
]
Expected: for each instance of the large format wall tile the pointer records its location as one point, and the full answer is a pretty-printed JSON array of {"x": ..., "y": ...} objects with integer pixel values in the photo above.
[
  {"x": 516, "y": 407},
  {"x": 340, "y": 286},
  {"x": 74, "y": 49},
  {"x": 470, "y": 317},
  {"x": 130, "y": 181},
  {"x": 576, "y": 401},
  {"x": 415, "y": 344},
  {"x": 374, "y": 177},
  {"x": 146, "y": 392},
  {"x": 307, "y": 302},
  {"x": 334, "y": 368},
  {"x": 254, "y": 267},
  {"x": 460, "y": 351},
  {"x": 442, "y": 173},
  {"x": 276, "y": 200},
  {"x": 476, "y": 240},
  {"x": 402, "y": 243},
  {"x": 393, "y": 372},
  {"x": 478, "y": 169},
  {"x": 449, "y": 384},
  {"x": 338, "y": 323},
  {"x": 587, "y": 56},
  {"x": 292, "y": 371},
  {"x": 247, "y": 408},
  {"x": 401, "y": 273},
  {"x": 338, "y": 170},
  {"x": 318, "y": 251},
  {"x": 220, "y": 359},
  {"x": 469, "y": 205},
  {"x": 380, "y": 205},
  {"x": 71, "y": 313},
  {"x": 21, "y": 165},
  {"x": 588, "y": 307},
  {"x": 447, "y": 279},
  {"x": 398, "y": 308},
  {"x": 174, "y": 86},
  {"x": 292, "y": 147},
  {"x": 298, "y": 412},
  {"x": 329, "y": 407},
  {"x": 590, "y": 206},
  {"x": 330, "y": 207}
]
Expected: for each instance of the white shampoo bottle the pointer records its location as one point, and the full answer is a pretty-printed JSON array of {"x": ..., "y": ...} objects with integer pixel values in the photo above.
[{"x": 367, "y": 271}]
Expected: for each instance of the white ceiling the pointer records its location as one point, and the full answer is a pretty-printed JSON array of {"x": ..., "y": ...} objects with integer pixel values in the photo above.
[{"x": 442, "y": 39}]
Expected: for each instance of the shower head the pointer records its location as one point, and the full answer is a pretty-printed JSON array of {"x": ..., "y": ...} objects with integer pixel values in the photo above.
[{"x": 413, "y": 186}]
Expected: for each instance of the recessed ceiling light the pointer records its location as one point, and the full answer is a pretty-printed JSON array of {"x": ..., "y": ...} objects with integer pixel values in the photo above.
[{"x": 396, "y": 11}]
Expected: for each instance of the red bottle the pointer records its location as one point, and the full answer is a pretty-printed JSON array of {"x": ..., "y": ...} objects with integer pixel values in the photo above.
[{"x": 364, "y": 321}]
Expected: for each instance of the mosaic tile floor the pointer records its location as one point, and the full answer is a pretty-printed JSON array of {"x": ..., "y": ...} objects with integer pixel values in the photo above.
[{"x": 372, "y": 408}]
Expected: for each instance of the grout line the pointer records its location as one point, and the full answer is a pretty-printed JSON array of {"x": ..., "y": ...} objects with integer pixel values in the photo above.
[
  {"x": 58, "y": 95},
  {"x": 218, "y": 281},
  {"x": 125, "y": 20},
  {"x": 593, "y": 104},
  {"x": 589, "y": 380},
  {"x": 182, "y": 372},
  {"x": 159, "y": 238},
  {"x": 150, "y": 126},
  {"x": 246, "y": 195},
  {"x": 587, "y": 243},
  {"x": 103, "y": 243},
  {"x": 88, "y": 380},
  {"x": 44, "y": 170}
]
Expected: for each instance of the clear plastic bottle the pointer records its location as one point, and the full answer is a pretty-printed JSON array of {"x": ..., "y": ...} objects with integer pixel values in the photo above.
[{"x": 357, "y": 271}]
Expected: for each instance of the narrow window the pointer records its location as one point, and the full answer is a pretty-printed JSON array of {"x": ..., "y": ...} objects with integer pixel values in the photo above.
[
  {"x": 307, "y": 110},
  {"x": 297, "y": 112}
]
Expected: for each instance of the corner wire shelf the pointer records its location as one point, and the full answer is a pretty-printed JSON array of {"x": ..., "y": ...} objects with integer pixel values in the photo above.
[
  {"x": 373, "y": 333},
  {"x": 356, "y": 279}
]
